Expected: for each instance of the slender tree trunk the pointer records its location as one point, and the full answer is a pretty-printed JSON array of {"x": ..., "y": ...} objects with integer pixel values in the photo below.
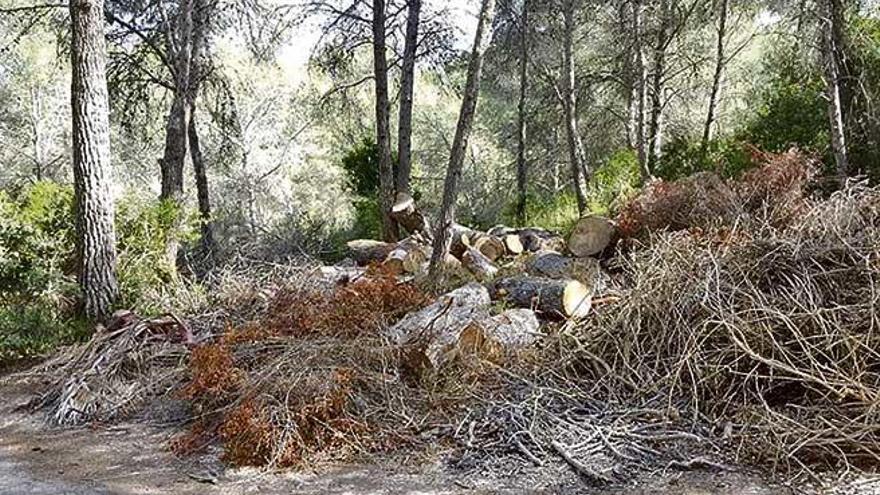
[
  {"x": 631, "y": 78},
  {"x": 207, "y": 227},
  {"x": 442, "y": 237},
  {"x": 720, "y": 61},
  {"x": 832, "y": 87},
  {"x": 383, "y": 126},
  {"x": 575, "y": 147},
  {"x": 96, "y": 237},
  {"x": 180, "y": 44},
  {"x": 642, "y": 91},
  {"x": 521, "y": 165},
  {"x": 407, "y": 82},
  {"x": 655, "y": 127}
]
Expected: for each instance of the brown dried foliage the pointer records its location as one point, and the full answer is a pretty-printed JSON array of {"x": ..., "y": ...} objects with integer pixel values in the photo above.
[
  {"x": 364, "y": 305},
  {"x": 776, "y": 188}
]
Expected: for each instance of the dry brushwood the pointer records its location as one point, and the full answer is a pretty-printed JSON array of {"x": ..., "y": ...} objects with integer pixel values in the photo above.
[{"x": 770, "y": 326}]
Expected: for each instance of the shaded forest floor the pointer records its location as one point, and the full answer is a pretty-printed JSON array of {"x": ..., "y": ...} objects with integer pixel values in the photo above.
[{"x": 133, "y": 458}]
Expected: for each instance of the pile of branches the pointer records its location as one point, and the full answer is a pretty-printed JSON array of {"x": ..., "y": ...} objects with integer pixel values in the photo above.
[{"x": 770, "y": 327}]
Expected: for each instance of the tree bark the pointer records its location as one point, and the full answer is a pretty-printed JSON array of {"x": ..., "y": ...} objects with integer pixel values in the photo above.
[
  {"x": 552, "y": 297},
  {"x": 96, "y": 236},
  {"x": 407, "y": 82},
  {"x": 442, "y": 237},
  {"x": 180, "y": 45},
  {"x": 641, "y": 86},
  {"x": 207, "y": 229},
  {"x": 716, "y": 76},
  {"x": 575, "y": 147},
  {"x": 830, "y": 48},
  {"x": 383, "y": 125},
  {"x": 655, "y": 126},
  {"x": 521, "y": 165}
]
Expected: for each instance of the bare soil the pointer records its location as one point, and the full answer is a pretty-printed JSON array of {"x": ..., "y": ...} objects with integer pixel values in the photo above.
[{"x": 133, "y": 458}]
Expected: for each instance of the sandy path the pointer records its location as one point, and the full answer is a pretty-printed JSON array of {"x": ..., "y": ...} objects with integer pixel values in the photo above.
[{"x": 132, "y": 459}]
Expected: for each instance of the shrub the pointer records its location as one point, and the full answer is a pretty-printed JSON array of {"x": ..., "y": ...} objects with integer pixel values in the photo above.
[{"x": 683, "y": 156}]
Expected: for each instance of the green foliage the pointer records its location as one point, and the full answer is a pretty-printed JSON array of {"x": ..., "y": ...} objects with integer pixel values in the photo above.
[
  {"x": 367, "y": 221},
  {"x": 613, "y": 182},
  {"x": 557, "y": 213},
  {"x": 36, "y": 240},
  {"x": 361, "y": 166},
  {"x": 31, "y": 331},
  {"x": 144, "y": 229},
  {"x": 792, "y": 110},
  {"x": 683, "y": 156}
]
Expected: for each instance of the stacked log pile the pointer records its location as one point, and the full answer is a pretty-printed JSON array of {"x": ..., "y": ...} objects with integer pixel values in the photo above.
[{"x": 537, "y": 273}]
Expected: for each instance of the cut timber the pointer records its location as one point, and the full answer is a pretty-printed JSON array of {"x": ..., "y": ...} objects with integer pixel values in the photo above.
[
  {"x": 405, "y": 213},
  {"x": 432, "y": 333},
  {"x": 512, "y": 243},
  {"x": 339, "y": 275},
  {"x": 366, "y": 251},
  {"x": 494, "y": 336},
  {"x": 551, "y": 264},
  {"x": 566, "y": 298},
  {"x": 590, "y": 236},
  {"x": 501, "y": 231},
  {"x": 407, "y": 257},
  {"x": 478, "y": 264},
  {"x": 459, "y": 239},
  {"x": 492, "y": 247}
]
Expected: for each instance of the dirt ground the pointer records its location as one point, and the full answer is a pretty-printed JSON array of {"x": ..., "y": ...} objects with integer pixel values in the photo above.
[{"x": 133, "y": 459}]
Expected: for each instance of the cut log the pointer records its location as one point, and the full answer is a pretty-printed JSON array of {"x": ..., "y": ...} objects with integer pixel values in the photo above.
[
  {"x": 478, "y": 264},
  {"x": 495, "y": 336},
  {"x": 366, "y": 251},
  {"x": 441, "y": 315},
  {"x": 553, "y": 298},
  {"x": 551, "y": 264},
  {"x": 459, "y": 240},
  {"x": 405, "y": 213},
  {"x": 590, "y": 236},
  {"x": 492, "y": 247},
  {"x": 512, "y": 244},
  {"x": 339, "y": 275},
  {"x": 407, "y": 257},
  {"x": 501, "y": 231},
  {"x": 432, "y": 334}
]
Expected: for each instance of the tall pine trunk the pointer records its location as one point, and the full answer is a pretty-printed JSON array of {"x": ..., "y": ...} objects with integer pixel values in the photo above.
[
  {"x": 655, "y": 128},
  {"x": 831, "y": 46},
  {"x": 442, "y": 237},
  {"x": 383, "y": 126},
  {"x": 641, "y": 90},
  {"x": 96, "y": 237},
  {"x": 208, "y": 245},
  {"x": 575, "y": 147},
  {"x": 720, "y": 61},
  {"x": 180, "y": 44},
  {"x": 521, "y": 164},
  {"x": 407, "y": 82}
]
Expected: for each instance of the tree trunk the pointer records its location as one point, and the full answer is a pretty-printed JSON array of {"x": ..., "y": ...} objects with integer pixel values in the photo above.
[
  {"x": 716, "y": 77},
  {"x": 641, "y": 79},
  {"x": 207, "y": 228},
  {"x": 575, "y": 147},
  {"x": 655, "y": 127},
  {"x": 96, "y": 236},
  {"x": 521, "y": 165},
  {"x": 478, "y": 264},
  {"x": 366, "y": 251},
  {"x": 180, "y": 44},
  {"x": 407, "y": 81},
  {"x": 442, "y": 237},
  {"x": 830, "y": 48},
  {"x": 383, "y": 126}
]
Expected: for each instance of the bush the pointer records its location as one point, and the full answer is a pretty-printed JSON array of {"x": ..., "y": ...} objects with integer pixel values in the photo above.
[
  {"x": 30, "y": 331},
  {"x": 36, "y": 241},
  {"x": 683, "y": 156},
  {"x": 147, "y": 278}
]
